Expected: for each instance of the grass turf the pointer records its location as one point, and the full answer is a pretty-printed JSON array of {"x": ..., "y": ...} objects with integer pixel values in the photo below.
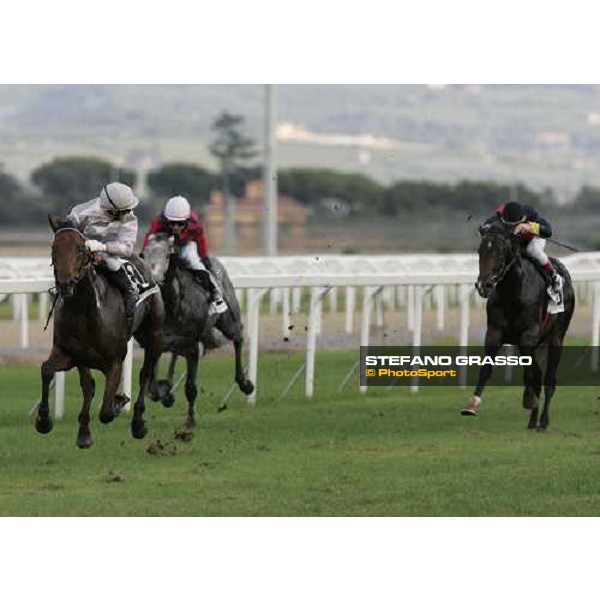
[{"x": 386, "y": 453}]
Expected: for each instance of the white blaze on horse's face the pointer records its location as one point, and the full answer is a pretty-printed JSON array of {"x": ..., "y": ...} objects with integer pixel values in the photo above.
[{"x": 157, "y": 257}]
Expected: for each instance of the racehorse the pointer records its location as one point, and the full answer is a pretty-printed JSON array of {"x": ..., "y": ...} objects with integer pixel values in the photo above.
[
  {"x": 187, "y": 319},
  {"x": 90, "y": 333},
  {"x": 517, "y": 313}
]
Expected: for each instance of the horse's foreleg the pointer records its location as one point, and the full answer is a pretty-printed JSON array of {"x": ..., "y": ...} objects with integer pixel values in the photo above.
[
  {"x": 554, "y": 354},
  {"x": 191, "y": 388},
  {"x": 57, "y": 361},
  {"x": 113, "y": 378},
  {"x": 493, "y": 340},
  {"x": 84, "y": 435}
]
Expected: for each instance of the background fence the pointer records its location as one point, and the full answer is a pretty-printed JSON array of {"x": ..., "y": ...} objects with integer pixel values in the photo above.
[{"x": 409, "y": 283}]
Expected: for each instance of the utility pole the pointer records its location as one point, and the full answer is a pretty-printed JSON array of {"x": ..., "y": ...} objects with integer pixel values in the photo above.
[{"x": 270, "y": 175}]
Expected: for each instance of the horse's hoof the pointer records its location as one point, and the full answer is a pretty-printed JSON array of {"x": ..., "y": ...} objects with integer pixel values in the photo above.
[
  {"x": 530, "y": 401},
  {"x": 531, "y": 426},
  {"x": 190, "y": 423},
  {"x": 246, "y": 386},
  {"x": 168, "y": 400},
  {"x": 106, "y": 417},
  {"x": 138, "y": 430},
  {"x": 470, "y": 408},
  {"x": 84, "y": 441},
  {"x": 222, "y": 407},
  {"x": 43, "y": 425},
  {"x": 121, "y": 401},
  {"x": 160, "y": 391}
]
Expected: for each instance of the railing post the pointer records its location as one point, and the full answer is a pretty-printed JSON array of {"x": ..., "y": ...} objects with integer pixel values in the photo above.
[
  {"x": 314, "y": 314},
  {"x": 365, "y": 321},
  {"x": 350, "y": 307}
]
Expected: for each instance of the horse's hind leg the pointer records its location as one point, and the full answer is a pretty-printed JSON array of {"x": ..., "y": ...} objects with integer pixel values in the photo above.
[
  {"x": 84, "y": 435},
  {"x": 113, "y": 378},
  {"x": 554, "y": 354},
  {"x": 243, "y": 382},
  {"x": 57, "y": 361},
  {"x": 191, "y": 388},
  {"x": 152, "y": 354},
  {"x": 536, "y": 382},
  {"x": 531, "y": 373},
  {"x": 232, "y": 329}
]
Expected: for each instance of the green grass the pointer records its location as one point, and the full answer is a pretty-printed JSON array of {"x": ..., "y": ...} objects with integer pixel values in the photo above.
[{"x": 389, "y": 453}]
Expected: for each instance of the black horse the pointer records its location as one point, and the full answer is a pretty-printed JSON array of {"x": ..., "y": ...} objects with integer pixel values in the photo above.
[
  {"x": 187, "y": 320},
  {"x": 90, "y": 333},
  {"x": 517, "y": 313}
]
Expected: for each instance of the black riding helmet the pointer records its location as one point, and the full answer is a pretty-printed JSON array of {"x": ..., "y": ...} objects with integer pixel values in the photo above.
[{"x": 513, "y": 213}]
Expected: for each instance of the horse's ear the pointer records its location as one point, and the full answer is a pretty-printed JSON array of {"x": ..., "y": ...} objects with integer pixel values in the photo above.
[{"x": 54, "y": 223}]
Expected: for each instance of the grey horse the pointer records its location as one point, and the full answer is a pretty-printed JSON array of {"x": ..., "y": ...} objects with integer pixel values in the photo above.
[{"x": 187, "y": 320}]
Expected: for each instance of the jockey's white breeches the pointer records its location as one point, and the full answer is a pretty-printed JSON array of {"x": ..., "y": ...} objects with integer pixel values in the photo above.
[
  {"x": 190, "y": 258},
  {"x": 535, "y": 249},
  {"x": 113, "y": 263}
]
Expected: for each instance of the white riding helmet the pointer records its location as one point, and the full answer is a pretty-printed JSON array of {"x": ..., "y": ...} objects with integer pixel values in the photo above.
[
  {"x": 117, "y": 196},
  {"x": 177, "y": 209}
]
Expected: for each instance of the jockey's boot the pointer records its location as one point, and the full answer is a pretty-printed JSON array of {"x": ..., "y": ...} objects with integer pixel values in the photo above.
[
  {"x": 120, "y": 280},
  {"x": 217, "y": 304}
]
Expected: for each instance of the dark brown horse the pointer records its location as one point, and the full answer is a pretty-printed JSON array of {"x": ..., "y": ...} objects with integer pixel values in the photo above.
[
  {"x": 517, "y": 314},
  {"x": 90, "y": 333}
]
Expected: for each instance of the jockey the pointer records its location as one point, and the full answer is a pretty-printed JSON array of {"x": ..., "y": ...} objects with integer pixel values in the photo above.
[
  {"x": 111, "y": 228},
  {"x": 532, "y": 230},
  {"x": 181, "y": 222}
]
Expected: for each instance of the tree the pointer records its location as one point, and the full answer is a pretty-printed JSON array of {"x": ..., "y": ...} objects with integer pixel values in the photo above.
[
  {"x": 311, "y": 186},
  {"x": 15, "y": 204},
  {"x": 192, "y": 181},
  {"x": 71, "y": 180},
  {"x": 587, "y": 200},
  {"x": 232, "y": 149}
]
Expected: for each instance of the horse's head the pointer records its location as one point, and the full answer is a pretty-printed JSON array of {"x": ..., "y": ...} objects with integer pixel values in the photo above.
[
  {"x": 157, "y": 255},
  {"x": 70, "y": 256},
  {"x": 498, "y": 251}
]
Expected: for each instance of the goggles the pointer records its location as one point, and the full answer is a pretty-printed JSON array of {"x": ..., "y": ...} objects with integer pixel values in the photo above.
[{"x": 118, "y": 213}]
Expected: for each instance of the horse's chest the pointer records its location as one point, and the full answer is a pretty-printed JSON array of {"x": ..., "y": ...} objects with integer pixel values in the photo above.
[{"x": 86, "y": 339}]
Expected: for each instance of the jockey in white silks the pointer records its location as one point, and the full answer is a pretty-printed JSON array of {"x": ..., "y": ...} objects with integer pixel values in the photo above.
[{"x": 111, "y": 228}]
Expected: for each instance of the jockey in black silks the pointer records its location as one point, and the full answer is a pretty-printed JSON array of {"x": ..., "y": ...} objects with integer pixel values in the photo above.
[{"x": 532, "y": 230}]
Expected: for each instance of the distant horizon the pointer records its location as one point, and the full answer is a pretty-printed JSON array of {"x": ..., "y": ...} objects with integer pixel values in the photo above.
[{"x": 542, "y": 136}]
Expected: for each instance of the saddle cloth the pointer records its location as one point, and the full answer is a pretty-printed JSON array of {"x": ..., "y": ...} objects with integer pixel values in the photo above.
[
  {"x": 142, "y": 285},
  {"x": 556, "y": 302}
]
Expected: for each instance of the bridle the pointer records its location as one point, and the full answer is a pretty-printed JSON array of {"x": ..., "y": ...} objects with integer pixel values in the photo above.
[
  {"x": 84, "y": 257},
  {"x": 496, "y": 279}
]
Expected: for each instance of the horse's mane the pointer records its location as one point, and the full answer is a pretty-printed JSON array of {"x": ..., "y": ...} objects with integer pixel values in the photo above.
[{"x": 494, "y": 228}]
